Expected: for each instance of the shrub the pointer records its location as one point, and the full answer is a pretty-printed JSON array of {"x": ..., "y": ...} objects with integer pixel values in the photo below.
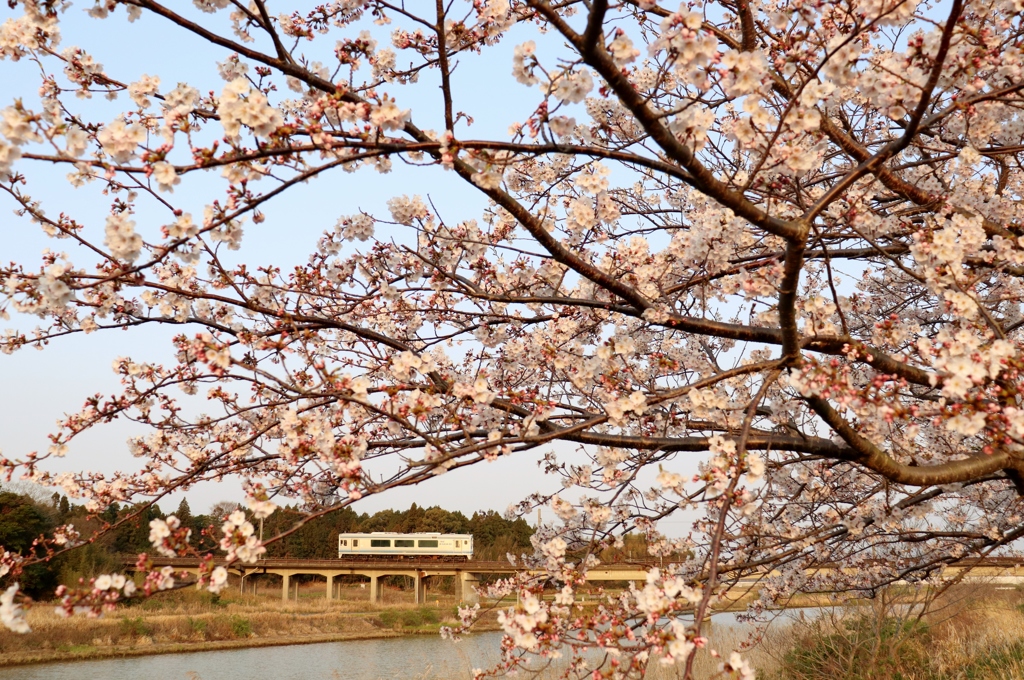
[
  {"x": 859, "y": 648},
  {"x": 408, "y": 618},
  {"x": 241, "y": 626},
  {"x": 135, "y": 627}
]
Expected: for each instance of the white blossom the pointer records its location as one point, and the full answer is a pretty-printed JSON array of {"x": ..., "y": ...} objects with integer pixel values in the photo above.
[
  {"x": 121, "y": 238},
  {"x": 121, "y": 140},
  {"x": 12, "y": 615},
  {"x": 240, "y": 105}
]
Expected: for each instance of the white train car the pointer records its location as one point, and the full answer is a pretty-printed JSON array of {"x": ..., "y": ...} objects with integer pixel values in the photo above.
[{"x": 382, "y": 545}]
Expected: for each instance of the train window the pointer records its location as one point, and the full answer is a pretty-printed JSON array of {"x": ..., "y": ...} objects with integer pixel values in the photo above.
[
  {"x": 428, "y": 544},
  {"x": 404, "y": 543},
  {"x": 355, "y": 542},
  {"x": 458, "y": 544},
  {"x": 380, "y": 542},
  {"x": 344, "y": 542}
]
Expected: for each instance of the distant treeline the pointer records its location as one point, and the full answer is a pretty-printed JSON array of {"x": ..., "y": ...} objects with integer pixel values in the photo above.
[
  {"x": 493, "y": 535},
  {"x": 25, "y": 517}
]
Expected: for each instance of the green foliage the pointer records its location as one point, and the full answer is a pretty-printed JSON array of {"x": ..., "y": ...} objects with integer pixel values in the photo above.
[
  {"x": 135, "y": 627},
  {"x": 408, "y": 618},
  {"x": 241, "y": 626},
  {"x": 863, "y": 647},
  {"x": 184, "y": 512},
  {"x": 132, "y": 537},
  {"x": 22, "y": 521},
  {"x": 85, "y": 562}
]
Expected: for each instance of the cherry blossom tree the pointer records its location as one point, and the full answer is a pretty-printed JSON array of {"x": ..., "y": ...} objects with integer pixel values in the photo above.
[{"x": 754, "y": 263}]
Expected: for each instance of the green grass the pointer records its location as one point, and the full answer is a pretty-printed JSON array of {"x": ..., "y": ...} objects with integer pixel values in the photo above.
[{"x": 409, "y": 618}]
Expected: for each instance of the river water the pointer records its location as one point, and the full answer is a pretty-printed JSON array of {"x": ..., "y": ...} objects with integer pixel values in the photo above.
[{"x": 424, "y": 657}]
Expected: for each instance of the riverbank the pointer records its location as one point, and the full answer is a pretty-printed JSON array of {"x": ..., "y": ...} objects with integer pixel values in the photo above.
[
  {"x": 969, "y": 632},
  {"x": 88, "y": 652},
  {"x": 189, "y": 621}
]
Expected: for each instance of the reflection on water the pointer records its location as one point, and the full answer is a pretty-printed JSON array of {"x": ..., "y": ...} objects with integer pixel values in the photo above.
[{"x": 423, "y": 657}]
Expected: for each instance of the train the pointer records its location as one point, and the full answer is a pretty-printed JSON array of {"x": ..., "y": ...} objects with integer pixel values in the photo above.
[{"x": 381, "y": 545}]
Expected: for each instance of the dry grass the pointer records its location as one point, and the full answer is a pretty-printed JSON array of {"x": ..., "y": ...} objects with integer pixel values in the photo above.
[
  {"x": 983, "y": 631},
  {"x": 194, "y": 618},
  {"x": 967, "y": 633}
]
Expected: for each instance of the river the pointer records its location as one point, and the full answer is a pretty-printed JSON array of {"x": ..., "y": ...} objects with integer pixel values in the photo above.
[{"x": 423, "y": 657}]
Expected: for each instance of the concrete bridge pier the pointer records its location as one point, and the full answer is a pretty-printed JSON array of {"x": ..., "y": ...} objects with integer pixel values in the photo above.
[
  {"x": 375, "y": 590},
  {"x": 469, "y": 583},
  {"x": 284, "y": 586},
  {"x": 330, "y": 586},
  {"x": 421, "y": 587}
]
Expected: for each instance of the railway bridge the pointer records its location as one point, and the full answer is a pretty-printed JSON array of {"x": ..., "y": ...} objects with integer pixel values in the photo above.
[
  {"x": 468, "y": 573},
  {"x": 998, "y": 570}
]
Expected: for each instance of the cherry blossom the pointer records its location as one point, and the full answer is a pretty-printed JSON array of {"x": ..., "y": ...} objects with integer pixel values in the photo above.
[
  {"x": 12, "y": 614},
  {"x": 750, "y": 269}
]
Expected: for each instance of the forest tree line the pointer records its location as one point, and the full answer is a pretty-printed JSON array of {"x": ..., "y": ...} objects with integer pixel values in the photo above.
[{"x": 26, "y": 516}]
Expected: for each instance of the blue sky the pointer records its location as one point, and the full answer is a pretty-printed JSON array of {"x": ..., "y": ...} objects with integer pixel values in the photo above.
[{"x": 41, "y": 386}]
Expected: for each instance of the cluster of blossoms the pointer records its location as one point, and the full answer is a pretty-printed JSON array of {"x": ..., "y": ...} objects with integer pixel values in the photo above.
[
  {"x": 121, "y": 238},
  {"x": 121, "y": 140},
  {"x": 161, "y": 580},
  {"x": 16, "y": 130},
  {"x": 663, "y": 594},
  {"x": 105, "y": 591},
  {"x": 168, "y": 537},
  {"x": 239, "y": 540},
  {"x": 240, "y": 105},
  {"x": 106, "y": 582},
  {"x": 523, "y": 622},
  {"x": 12, "y": 614},
  {"x": 218, "y": 580}
]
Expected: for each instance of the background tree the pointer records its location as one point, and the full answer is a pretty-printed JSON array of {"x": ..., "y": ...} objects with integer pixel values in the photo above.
[
  {"x": 64, "y": 507},
  {"x": 22, "y": 522},
  {"x": 24, "y": 519},
  {"x": 184, "y": 512},
  {"x": 757, "y": 264},
  {"x": 131, "y": 532}
]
